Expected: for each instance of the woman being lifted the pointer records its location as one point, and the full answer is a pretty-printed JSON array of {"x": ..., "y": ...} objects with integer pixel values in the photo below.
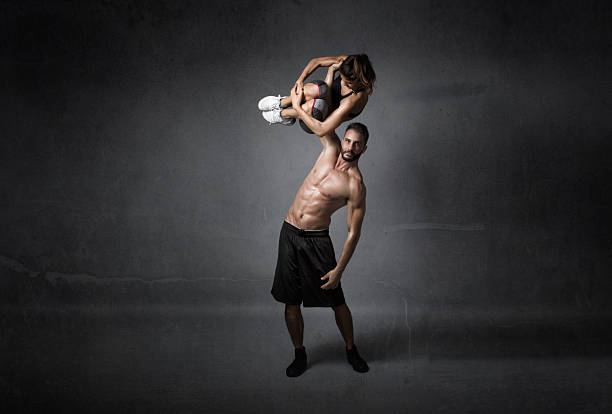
[{"x": 328, "y": 103}]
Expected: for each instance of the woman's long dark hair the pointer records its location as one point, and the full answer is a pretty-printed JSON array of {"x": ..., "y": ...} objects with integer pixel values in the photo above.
[{"x": 357, "y": 68}]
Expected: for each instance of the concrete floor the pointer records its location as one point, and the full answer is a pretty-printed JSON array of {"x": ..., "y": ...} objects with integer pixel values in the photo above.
[{"x": 186, "y": 359}]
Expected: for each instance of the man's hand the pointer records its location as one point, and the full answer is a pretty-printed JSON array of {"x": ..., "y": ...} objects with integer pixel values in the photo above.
[
  {"x": 333, "y": 278},
  {"x": 297, "y": 93}
]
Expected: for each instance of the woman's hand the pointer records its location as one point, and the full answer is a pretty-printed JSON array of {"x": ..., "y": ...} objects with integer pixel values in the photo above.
[
  {"x": 299, "y": 84},
  {"x": 297, "y": 93},
  {"x": 329, "y": 79}
]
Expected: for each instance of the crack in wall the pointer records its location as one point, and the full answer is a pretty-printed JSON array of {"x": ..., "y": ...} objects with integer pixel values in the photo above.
[
  {"x": 396, "y": 289},
  {"x": 392, "y": 228},
  {"x": 18, "y": 267}
]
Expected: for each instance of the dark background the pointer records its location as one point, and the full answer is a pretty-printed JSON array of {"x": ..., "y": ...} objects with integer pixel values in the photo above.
[{"x": 139, "y": 181}]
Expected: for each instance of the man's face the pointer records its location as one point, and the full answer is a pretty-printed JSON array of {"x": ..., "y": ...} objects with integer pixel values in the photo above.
[{"x": 353, "y": 145}]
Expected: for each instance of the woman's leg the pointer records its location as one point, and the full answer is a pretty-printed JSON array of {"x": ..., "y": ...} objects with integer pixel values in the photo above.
[
  {"x": 316, "y": 107},
  {"x": 311, "y": 91},
  {"x": 292, "y": 113}
]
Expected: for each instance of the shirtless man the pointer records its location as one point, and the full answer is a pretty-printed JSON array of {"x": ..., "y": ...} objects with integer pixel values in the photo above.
[{"x": 307, "y": 269}]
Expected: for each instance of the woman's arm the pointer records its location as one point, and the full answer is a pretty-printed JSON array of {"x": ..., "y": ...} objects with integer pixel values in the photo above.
[
  {"x": 329, "y": 79},
  {"x": 318, "y": 62}
]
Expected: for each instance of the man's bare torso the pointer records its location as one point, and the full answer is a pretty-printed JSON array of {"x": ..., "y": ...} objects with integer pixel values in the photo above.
[{"x": 324, "y": 190}]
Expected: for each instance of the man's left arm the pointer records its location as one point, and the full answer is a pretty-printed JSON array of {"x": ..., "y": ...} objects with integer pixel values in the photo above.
[{"x": 355, "y": 213}]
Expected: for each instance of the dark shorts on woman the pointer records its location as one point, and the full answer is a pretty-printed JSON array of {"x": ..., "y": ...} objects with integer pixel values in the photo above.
[
  {"x": 304, "y": 257},
  {"x": 320, "y": 107}
]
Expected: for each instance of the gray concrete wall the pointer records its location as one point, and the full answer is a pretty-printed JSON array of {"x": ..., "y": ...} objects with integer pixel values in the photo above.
[
  {"x": 132, "y": 150},
  {"x": 142, "y": 195}
]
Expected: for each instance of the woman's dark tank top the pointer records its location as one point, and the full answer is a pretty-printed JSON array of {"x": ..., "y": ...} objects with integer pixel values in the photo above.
[{"x": 336, "y": 96}]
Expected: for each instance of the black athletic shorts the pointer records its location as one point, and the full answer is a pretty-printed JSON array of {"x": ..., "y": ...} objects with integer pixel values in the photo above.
[{"x": 304, "y": 257}]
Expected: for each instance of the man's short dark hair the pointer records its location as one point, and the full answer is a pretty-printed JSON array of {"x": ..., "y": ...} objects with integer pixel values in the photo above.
[{"x": 361, "y": 128}]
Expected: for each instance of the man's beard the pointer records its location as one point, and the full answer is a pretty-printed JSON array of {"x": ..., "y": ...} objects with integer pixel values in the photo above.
[{"x": 350, "y": 156}]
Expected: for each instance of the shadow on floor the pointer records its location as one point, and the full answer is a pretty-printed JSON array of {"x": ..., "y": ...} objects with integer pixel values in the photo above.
[{"x": 581, "y": 337}]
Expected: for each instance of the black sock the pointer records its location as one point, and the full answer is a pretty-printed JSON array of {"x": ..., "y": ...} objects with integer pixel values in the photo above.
[
  {"x": 298, "y": 366},
  {"x": 358, "y": 363}
]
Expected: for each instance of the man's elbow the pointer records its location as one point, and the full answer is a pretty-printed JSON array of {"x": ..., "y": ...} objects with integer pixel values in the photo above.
[
  {"x": 321, "y": 130},
  {"x": 315, "y": 126},
  {"x": 354, "y": 235}
]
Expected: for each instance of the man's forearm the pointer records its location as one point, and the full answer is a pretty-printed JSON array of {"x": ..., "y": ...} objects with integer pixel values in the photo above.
[
  {"x": 347, "y": 251},
  {"x": 312, "y": 123}
]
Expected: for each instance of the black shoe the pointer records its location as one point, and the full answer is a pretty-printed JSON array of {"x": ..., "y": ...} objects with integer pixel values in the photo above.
[
  {"x": 353, "y": 357},
  {"x": 298, "y": 366}
]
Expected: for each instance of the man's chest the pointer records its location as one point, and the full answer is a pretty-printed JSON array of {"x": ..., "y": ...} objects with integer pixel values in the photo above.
[{"x": 331, "y": 184}]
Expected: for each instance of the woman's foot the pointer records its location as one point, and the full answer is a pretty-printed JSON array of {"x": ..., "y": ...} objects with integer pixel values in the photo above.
[
  {"x": 270, "y": 103},
  {"x": 274, "y": 117}
]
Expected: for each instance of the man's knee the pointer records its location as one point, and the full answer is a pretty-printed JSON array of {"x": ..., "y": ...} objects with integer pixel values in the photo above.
[
  {"x": 292, "y": 311},
  {"x": 340, "y": 308}
]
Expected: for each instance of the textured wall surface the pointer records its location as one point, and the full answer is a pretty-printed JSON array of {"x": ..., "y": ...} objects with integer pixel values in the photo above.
[
  {"x": 132, "y": 146},
  {"x": 136, "y": 170}
]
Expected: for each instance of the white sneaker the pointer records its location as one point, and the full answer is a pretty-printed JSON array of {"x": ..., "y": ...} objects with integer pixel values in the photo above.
[
  {"x": 270, "y": 102},
  {"x": 275, "y": 117}
]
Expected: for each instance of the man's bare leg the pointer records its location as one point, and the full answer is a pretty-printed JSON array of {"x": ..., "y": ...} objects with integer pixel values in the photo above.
[
  {"x": 344, "y": 320},
  {"x": 295, "y": 325}
]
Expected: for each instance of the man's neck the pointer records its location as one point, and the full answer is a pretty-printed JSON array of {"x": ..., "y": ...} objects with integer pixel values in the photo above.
[{"x": 343, "y": 165}]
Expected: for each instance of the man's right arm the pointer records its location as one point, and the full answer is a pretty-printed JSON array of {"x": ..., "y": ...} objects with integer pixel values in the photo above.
[{"x": 330, "y": 140}]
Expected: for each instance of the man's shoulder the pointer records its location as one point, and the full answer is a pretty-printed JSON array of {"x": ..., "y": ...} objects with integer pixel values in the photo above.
[
  {"x": 355, "y": 175},
  {"x": 356, "y": 185}
]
